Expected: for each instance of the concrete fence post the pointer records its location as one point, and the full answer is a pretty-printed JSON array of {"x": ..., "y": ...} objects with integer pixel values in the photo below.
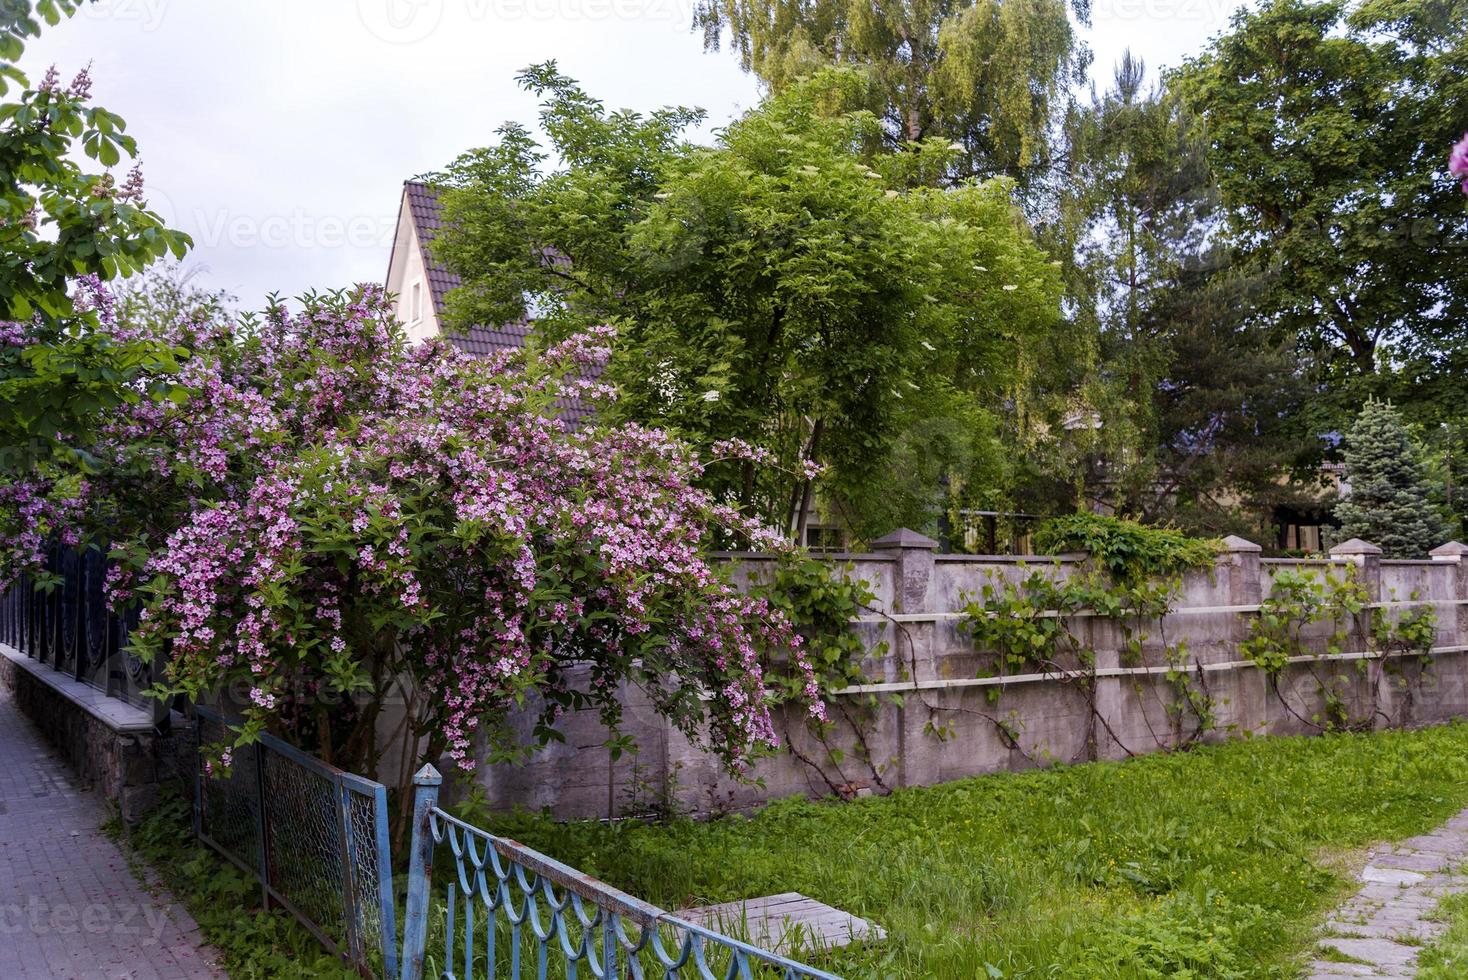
[
  {"x": 1454, "y": 551},
  {"x": 1451, "y": 691},
  {"x": 913, "y": 582},
  {"x": 1240, "y": 571},
  {"x": 1367, "y": 559},
  {"x": 1240, "y": 565},
  {"x": 914, "y": 590}
]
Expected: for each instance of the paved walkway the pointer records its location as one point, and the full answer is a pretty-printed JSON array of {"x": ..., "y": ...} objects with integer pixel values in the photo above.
[
  {"x": 1383, "y": 926},
  {"x": 70, "y": 908}
]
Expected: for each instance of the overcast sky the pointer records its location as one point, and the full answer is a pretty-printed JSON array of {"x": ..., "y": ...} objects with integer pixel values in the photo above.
[{"x": 278, "y": 132}]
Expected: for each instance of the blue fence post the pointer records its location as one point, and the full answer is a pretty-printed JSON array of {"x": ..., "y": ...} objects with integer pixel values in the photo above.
[
  {"x": 420, "y": 872},
  {"x": 388, "y": 921}
]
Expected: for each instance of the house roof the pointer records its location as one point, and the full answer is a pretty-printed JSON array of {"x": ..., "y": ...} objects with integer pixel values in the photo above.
[
  {"x": 489, "y": 340},
  {"x": 427, "y": 220},
  {"x": 427, "y": 216}
]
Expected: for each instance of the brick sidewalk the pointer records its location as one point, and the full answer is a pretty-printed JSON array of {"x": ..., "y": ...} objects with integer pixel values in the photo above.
[{"x": 70, "y": 908}]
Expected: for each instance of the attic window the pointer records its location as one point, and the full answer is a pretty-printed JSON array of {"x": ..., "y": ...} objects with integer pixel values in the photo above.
[{"x": 415, "y": 303}]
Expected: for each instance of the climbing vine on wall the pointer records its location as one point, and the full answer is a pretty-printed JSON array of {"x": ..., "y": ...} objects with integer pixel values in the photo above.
[
  {"x": 1287, "y": 631},
  {"x": 822, "y": 600},
  {"x": 1297, "y": 601},
  {"x": 1051, "y": 619},
  {"x": 1129, "y": 551},
  {"x": 1132, "y": 576}
]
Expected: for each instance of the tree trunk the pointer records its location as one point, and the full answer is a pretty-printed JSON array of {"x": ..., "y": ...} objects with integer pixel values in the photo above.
[{"x": 805, "y": 493}]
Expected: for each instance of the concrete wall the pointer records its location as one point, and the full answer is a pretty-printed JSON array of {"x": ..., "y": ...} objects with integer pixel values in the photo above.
[
  {"x": 115, "y": 747},
  {"x": 933, "y": 716}
]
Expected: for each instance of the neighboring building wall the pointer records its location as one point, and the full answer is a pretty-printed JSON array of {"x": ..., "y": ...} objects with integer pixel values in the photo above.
[{"x": 936, "y": 670}]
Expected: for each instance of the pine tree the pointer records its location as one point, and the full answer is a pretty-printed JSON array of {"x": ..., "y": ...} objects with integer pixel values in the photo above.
[{"x": 1387, "y": 500}]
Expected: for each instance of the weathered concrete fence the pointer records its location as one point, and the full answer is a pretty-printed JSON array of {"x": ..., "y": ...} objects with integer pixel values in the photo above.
[
  {"x": 930, "y": 714},
  {"x": 934, "y": 707}
]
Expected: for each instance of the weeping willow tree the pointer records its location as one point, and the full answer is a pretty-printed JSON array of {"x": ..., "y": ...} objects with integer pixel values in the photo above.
[{"x": 987, "y": 75}]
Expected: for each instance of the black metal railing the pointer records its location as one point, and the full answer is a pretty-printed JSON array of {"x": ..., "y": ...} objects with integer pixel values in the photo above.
[{"x": 62, "y": 619}]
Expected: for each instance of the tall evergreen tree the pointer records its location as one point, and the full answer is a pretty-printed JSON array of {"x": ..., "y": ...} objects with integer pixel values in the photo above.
[
  {"x": 1386, "y": 502},
  {"x": 1189, "y": 390}
]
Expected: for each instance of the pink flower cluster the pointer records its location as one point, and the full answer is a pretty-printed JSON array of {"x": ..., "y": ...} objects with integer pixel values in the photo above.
[
  {"x": 333, "y": 504},
  {"x": 36, "y": 511},
  {"x": 14, "y": 334},
  {"x": 739, "y": 449},
  {"x": 1458, "y": 161}
]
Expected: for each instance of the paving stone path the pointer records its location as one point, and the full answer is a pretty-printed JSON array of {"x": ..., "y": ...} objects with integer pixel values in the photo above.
[
  {"x": 70, "y": 907},
  {"x": 1384, "y": 925}
]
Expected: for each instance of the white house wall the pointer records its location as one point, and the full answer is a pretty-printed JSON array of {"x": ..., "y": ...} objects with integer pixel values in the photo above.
[{"x": 407, "y": 280}]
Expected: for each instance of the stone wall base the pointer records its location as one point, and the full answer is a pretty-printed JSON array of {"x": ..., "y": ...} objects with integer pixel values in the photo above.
[{"x": 113, "y": 746}]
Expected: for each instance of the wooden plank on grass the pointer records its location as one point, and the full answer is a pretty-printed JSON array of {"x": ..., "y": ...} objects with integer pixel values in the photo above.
[{"x": 785, "y": 923}]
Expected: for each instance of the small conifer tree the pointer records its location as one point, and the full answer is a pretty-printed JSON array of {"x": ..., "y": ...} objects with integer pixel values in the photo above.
[{"x": 1386, "y": 499}]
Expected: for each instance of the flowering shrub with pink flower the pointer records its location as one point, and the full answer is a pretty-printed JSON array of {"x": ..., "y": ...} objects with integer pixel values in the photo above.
[
  {"x": 334, "y": 515},
  {"x": 1458, "y": 162}
]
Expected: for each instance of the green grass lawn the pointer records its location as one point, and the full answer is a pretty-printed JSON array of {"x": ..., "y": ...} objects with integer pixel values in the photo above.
[{"x": 1214, "y": 863}]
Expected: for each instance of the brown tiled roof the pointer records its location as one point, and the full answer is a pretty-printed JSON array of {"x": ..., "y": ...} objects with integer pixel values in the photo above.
[
  {"x": 427, "y": 217},
  {"x": 488, "y": 340}
]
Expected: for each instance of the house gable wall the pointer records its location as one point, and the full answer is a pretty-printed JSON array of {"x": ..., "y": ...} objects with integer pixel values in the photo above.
[{"x": 407, "y": 280}]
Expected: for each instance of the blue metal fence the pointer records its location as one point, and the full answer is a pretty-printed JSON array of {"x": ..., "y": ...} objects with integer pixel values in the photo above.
[
  {"x": 511, "y": 911},
  {"x": 314, "y": 836},
  {"x": 70, "y": 627}
]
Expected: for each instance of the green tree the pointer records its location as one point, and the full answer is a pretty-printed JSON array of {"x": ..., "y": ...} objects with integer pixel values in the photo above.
[
  {"x": 1326, "y": 123},
  {"x": 1188, "y": 390},
  {"x": 60, "y": 222},
  {"x": 1224, "y": 446},
  {"x": 788, "y": 286},
  {"x": 986, "y": 74},
  {"x": 1387, "y": 500},
  {"x": 170, "y": 293}
]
